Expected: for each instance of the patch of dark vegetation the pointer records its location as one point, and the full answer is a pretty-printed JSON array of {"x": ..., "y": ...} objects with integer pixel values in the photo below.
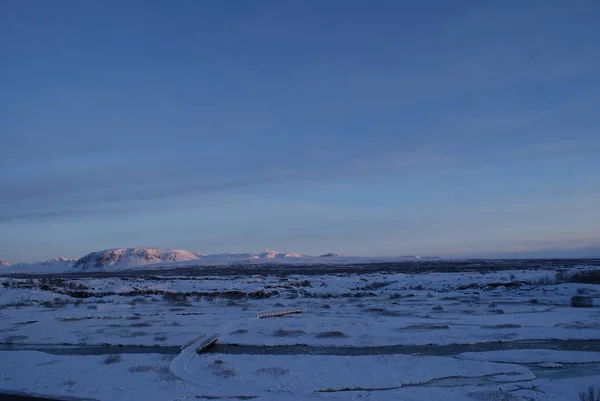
[
  {"x": 578, "y": 325},
  {"x": 92, "y": 307},
  {"x": 585, "y": 277},
  {"x": 56, "y": 303},
  {"x": 72, "y": 319},
  {"x": 237, "y": 332},
  {"x": 13, "y": 339},
  {"x": 395, "y": 313},
  {"x": 74, "y": 286},
  {"x": 398, "y": 295},
  {"x": 26, "y": 323},
  {"x": 134, "y": 334},
  {"x": 219, "y": 368},
  {"x": 425, "y": 326},
  {"x": 141, "y": 369},
  {"x": 494, "y": 396},
  {"x": 374, "y": 310},
  {"x": 438, "y": 308},
  {"x": 183, "y": 299},
  {"x": 17, "y": 305},
  {"x": 498, "y": 311},
  {"x": 176, "y": 298},
  {"x": 262, "y": 294},
  {"x": 228, "y": 397},
  {"x": 348, "y": 389},
  {"x": 115, "y": 358},
  {"x": 69, "y": 383},
  {"x": 288, "y": 333},
  {"x": 489, "y": 286},
  {"x": 502, "y": 326},
  {"x": 592, "y": 394},
  {"x": 160, "y": 338},
  {"x": 172, "y": 297},
  {"x": 325, "y": 306},
  {"x": 134, "y": 317},
  {"x": 77, "y": 294},
  {"x": 331, "y": 334},
  {"x": 140, "y": 325},
  {"x": 580, "y": 301}
]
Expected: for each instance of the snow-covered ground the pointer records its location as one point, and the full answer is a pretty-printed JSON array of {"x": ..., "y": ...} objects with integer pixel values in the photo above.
[{"x": 363, "y": 312}]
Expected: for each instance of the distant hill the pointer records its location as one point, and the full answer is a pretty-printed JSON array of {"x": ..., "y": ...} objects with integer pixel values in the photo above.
[
  {"x": 131, "y": 257},
  {"x": 59, "y": 260}
]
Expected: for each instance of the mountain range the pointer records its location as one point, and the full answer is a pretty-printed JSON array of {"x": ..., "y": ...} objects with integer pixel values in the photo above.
[{"x": 124, "y": 258}]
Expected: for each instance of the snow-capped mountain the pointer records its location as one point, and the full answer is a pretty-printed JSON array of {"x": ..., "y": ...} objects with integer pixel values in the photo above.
[
  {"x": 55, "y": 265},
  {"x": 131, "y": 257},
  {"x": 271, "y": 254},
  {"x": 59, "y": 260},
  {"x": 294, "y": 255},
  {"x": 4, "y": 263},
  {"x": 268, "y": 254}
]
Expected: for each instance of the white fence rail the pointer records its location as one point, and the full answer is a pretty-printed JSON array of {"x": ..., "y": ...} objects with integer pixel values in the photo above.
[
  {"x": 207, "y": 343},
  {"x": 195, "y": 340},
  {"x": 279, "y": 313}
]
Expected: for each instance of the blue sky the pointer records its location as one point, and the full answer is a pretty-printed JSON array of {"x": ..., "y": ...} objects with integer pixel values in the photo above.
[{"x": 461, "y": 128}]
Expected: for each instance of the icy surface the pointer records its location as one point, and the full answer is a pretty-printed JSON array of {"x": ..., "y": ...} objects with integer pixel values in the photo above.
[{"x": 533, "y": 356}]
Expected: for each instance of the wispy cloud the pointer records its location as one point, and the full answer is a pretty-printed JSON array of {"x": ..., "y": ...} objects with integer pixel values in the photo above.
[
  {"x": 422, "y": 158},
  {"x": 556, "y": 149},
  {"x": 53, "y": 196}
]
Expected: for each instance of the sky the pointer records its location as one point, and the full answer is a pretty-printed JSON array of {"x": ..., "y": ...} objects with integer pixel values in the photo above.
[{"x": 456, "y": 129}]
